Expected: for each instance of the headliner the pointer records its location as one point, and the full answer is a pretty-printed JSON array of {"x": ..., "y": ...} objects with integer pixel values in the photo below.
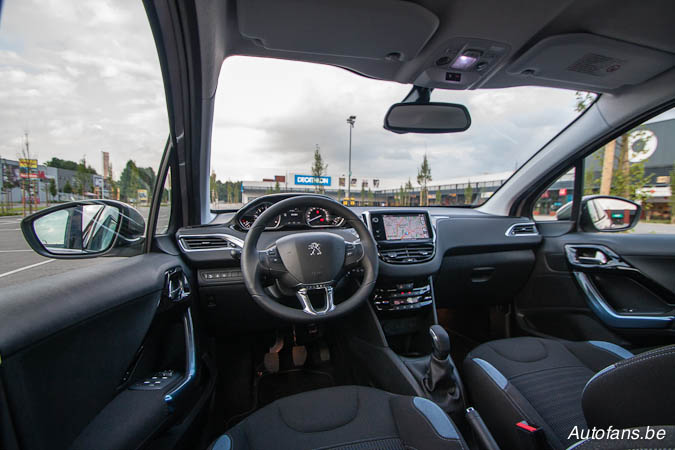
[{"x": 626, "y": 30}]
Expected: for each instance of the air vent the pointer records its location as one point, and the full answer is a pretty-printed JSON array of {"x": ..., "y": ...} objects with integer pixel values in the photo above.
[
  {"x": 407, "y": 255},
  {"x": 196, "y": 243},
  {"x": 522, "y": 229}
]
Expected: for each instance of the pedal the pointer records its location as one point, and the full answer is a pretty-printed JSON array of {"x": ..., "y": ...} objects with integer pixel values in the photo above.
[
  {"x": 271, "y": 362},
  {"x": 271, "y": 358},
  {"x": 299, "y": 355},
  {"x": 324, "y": 353}
]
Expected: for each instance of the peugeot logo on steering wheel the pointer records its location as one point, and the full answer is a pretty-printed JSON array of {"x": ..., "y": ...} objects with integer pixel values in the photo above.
[{"x": 314, "y": 249}]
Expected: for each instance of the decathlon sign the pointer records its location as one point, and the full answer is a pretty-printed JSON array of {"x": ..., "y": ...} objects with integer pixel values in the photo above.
[{"x": 309, "y": 180}]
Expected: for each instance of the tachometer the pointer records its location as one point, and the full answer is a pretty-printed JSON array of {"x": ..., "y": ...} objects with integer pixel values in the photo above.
[{"x": 247, "y": 219}]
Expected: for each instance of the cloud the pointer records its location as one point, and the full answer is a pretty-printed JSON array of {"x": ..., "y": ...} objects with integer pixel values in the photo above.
[
  {"x": 270, "y": 114},
  {"x": 81, "y": 77}
]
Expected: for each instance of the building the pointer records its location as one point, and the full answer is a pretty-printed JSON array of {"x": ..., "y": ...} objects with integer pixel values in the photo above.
[{"x": 11, "y": 183}]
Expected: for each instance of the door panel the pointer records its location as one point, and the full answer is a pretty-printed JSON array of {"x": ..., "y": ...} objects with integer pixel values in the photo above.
[
  {"x": 66, "y": 342},
  {"x": 629, "y": 298}
]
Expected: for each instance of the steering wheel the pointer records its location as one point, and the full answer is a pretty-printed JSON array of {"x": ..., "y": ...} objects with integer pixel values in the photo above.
[{"x": 309, "y": 261}]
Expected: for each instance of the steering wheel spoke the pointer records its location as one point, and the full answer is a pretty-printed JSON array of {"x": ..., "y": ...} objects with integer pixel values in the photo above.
[
  {"x": 303, "y": 295},
  {"x": 353, "y": 253},
  {"x": 271, "y": 261}
]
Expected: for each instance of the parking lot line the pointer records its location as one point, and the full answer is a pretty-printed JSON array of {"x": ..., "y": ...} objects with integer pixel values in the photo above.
[
  {"x": 14, "y": 251},
  {"x": 25, "y": 268}
]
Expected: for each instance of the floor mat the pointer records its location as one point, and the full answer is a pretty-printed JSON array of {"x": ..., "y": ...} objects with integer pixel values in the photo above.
[{"x": 272, "y": 387}]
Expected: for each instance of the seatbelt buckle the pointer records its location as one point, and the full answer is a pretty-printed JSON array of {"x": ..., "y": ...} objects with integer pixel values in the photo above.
[{"x": 531, "y": 436}]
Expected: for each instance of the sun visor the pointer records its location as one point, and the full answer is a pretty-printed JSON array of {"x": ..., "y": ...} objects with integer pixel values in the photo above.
[
  {"x": 590, "y": 62},
  {"x": 373, "y": 29}
]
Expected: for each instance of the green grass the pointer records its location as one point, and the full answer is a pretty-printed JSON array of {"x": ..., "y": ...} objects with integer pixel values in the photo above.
[{"x": 18, "y": 210}]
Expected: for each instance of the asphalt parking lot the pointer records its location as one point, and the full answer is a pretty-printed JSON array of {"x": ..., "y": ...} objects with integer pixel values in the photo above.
[{"x": 19, "y": 264}]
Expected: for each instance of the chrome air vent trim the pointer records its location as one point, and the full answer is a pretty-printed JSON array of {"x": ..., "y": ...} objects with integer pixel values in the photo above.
[
  {"x": 523, "y": 229},
  {"x": 227, "y": 242}
]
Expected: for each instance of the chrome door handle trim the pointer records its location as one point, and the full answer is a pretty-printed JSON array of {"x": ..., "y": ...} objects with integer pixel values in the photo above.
[{"x": 190, "y": 362}]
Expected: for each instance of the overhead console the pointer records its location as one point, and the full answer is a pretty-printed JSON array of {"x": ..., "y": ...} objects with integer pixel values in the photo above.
[{"x": 462, "y": 63}]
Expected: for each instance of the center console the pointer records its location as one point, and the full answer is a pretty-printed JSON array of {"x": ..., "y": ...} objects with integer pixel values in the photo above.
[{"x": 403, "y": 307}]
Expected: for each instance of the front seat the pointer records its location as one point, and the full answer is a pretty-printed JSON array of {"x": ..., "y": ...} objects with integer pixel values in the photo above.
[
  {"x": 559, "y": 385},
  {"x": 345, "y": 418}
]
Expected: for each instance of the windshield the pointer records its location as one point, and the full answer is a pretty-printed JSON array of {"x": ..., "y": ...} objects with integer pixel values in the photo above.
[{"x": 286, "y": 126}]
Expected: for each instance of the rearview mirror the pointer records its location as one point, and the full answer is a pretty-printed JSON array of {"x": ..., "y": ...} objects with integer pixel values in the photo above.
[
  {"x": 432, "y": 117},
  {"x": 607, "y": 213},
  {"x": 84, "y": 229}
]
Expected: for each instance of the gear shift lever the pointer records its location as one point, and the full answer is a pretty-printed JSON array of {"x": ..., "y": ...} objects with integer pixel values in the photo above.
[
  {"x": 440, "y": 370},
  {"x": 440, "y": 342}
]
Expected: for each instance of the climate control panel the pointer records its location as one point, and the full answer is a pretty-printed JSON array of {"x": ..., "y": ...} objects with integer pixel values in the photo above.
[{"x": 402, "y": 297}]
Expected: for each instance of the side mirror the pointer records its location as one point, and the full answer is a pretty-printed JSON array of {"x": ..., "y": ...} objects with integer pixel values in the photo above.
[
  {"x": 608, "y": 214},
  {"x": 85, "y": 229},
  {"x": 432, "y": 117}
]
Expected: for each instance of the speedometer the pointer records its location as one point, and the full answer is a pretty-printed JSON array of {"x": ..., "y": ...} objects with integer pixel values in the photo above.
[
  {"x": 247, "y": 219},
  {"x": 320, "y": 217}
]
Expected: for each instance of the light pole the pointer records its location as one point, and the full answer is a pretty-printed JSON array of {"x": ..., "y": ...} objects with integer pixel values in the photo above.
[{"x": 350, "y": 121}]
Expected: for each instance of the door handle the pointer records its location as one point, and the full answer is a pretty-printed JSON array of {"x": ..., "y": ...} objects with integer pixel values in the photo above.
[
  {"x": 591, "y": 257},
  {"x": 598, "y": 259}
]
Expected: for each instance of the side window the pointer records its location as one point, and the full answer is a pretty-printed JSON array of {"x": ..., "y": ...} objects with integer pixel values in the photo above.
[
  {"x": 639, "y": 166},
  {"x": 83, "y": 117},
  {"x": 556, "y": 202}
]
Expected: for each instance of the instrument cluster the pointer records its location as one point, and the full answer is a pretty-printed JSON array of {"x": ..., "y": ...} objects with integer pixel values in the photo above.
[{"x": 313, "y": 217}]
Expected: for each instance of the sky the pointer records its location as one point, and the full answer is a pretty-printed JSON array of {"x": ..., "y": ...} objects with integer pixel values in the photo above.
[{"x": 82, "y": 77}]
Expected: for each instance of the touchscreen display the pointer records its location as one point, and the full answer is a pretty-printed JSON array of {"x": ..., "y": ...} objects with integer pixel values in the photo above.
[{"x": 400, "y": 228}]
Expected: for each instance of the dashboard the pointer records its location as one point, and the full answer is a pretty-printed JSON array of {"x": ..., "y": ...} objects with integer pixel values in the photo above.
[{"x": 310, "y": 217}]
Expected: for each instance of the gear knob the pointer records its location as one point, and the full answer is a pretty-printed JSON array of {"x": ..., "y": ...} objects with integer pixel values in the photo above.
[{"x": 440, "y": 342}]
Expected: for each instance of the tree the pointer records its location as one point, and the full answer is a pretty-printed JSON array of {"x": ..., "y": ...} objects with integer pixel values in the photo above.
[
  {"x": 371, "y": 197},
  {"x": 129, "y": 182},
  {"x": 439, "y": 196},
  {"x": 584, "y": 100},
  {"x": 468, "y": 194},
  {"x": 69, "y": 165},
  {"x": 408, "y": 192},
  {"x": 67, "y": 188},
  {"x": 318, "y": 169},
  {"x": 83, "y": 175},
  {"x": 363, "y": 193},
  {"x": 277, "y": 188},
  {"x": 213, "y": 187},
  {"x": 423, "y": 178},
  {"x": 52, "y": 188}
]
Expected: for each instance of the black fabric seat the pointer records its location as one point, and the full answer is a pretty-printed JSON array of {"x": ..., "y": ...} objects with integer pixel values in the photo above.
[
  {"x": 537, "y": 380},
  {"x": 560, "y": 385},
  {"x": 345, "y": 418}
]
